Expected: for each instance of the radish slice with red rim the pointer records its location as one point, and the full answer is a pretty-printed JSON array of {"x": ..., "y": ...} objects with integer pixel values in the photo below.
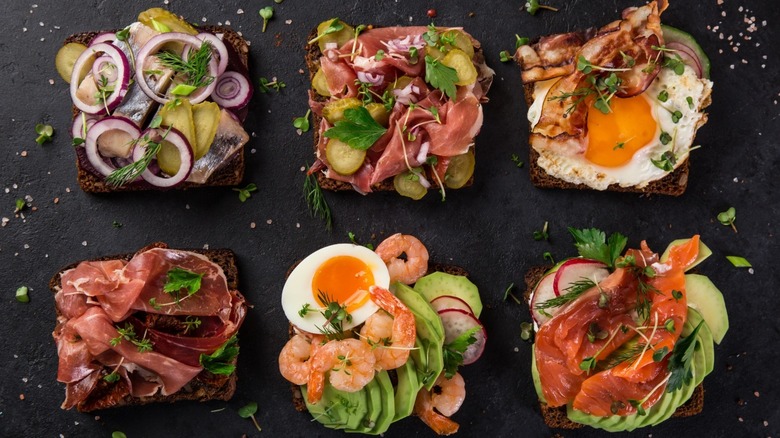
[
  {"x": 541, "y": 293},
  {"x": 101, "y": 127},
  {"x": 574, "y": 270},
  {"x": 457, "y": 322},
  {"x": 150, "y": 49},
  {"x": 177, "y": 139},
  {"x": 446, "y": 302},
  {"x": 233, "y": 91},
  {"x": 120, "y": 85}
]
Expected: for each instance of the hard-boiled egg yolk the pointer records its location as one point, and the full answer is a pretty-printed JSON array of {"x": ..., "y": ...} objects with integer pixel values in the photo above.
[
  {"x": 613, "y": 138},
  {"x": 341, "y": 278}
]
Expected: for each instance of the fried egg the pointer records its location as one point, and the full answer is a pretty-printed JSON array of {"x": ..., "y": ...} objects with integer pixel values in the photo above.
[
  {"x": 339, "y": 273},
  {"x": 620, "y": 146}
]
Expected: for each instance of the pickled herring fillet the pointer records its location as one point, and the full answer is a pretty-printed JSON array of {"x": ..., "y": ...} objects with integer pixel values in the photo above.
[
  {"x": 137, "y": 106},
  {"x": 229, "y": 140}
]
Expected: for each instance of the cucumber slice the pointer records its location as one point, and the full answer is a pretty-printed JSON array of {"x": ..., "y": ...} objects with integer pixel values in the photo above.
[{"x": 674, "y": 35}]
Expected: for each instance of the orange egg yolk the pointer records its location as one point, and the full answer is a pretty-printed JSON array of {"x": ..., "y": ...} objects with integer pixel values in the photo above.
[
  {"x": 614, "y": 138},
  {"x": 343, "y": 279}
]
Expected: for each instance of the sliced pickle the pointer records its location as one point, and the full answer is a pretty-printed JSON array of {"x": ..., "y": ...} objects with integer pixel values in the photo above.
[
  {"x": 165, "y": 19},
  {"x": 460, "y": 170},
  {"x": 205, "y": 117},
  {"x": 179, "y": 117},
  {"x": 320, "y": 84},
  {"x": 340, "y": 37},
  {"x": 67, "y": 57},
  {"x": 334, "y": 110},
  {"x": 169, "y": 158},
  {"x": 343, "y": 158},
  {"x": 402, "y": 82},
  {"x": 459, "y": 41},
  {"x": 461, "y": 62},
  {"x": 408, "y": 184},
  {"x": 379, "y": 113}
]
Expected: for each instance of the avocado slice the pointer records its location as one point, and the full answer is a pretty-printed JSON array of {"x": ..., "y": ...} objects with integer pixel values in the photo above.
[
  {"x": 338, "y": 409},
  {"x": 373, "y": 408},
  {"x": 406, "y": 390},
  {"x": 440, "y": 283},
  {"x": 705, "y": 334},
  {"x": 535, "y": 377},
  {"x": 672, "y": 34},
  {"x": 387, "y": 411},
  {"x": 708, "y": 301},
  {"x": 704, "y": 252}
]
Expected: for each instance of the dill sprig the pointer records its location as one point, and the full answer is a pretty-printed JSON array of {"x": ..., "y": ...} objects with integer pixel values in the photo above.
[
  {"x": 335, "y": 314},
  {"x": 128, "y": 173},
  {"x": 195, "y": 68},
  {"x": 315, "y": 199},
  {"x": 644, "y": 288},
  {"x": 571, "y": 293},
  {"x": 627, "y": 353}
]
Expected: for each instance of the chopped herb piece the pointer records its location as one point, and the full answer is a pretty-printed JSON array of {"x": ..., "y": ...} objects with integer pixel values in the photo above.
[
  {"x": 663, "y": 96},
  {"x": 504, "y": 56},
  {"x": 266, "y": 13},
  {"x": 221, "y": 360},
  {"x": 548, "y": 256},
  {"x": 246, "y": 192},
  {"x": 21, "y": 294},
  {"x": 414, "y": 55},
  {"x": 677, "y": 295},
  {"x": 315, "y": 199},
  {"x": 739, "y": 262},
  {"x": 533, "y": 6},
  {"x": 588, "y": 364},
  {"x": 359, "y": 130},
  {"x": 516, "y": 159},
  {"x": 520, "y": 41},
  {"x": 542, "y": 235},
  {"x": 195, "y": 68},
  {"x": 153, "y": 303},
  {"x": 111, "y": 378},
  {"x": 603, "y": 302},
  {"x": 508, "y": 293},
  {"x": 132, "y": 171},
  {"x": 680, "y": 362},
  {"x": 123, "y": 34},
  {"x": 637, "y": 404},
  {"x": 249, "y": 411},
  {"x": 305, "y": 309},
  {"x": 118, "y": 434},
  {"x": 333, "y": 27},
  {"x": 526, "y": 331},
  {"x": 453, "y": 352},
  {"x": 156, "y": 121},
  {"x": 593, "y": 244},
  {"x": 569, "y": 294},
  {"x": 666, "y": 162},
  {"x": 178, "y": 279},
  {"x": 619, "y": 145},
  {"x": 20, "y": 205},
  {"x": 689, "y": 99},
  {"x": 302, "y": 123},
  {"x": 45, "y": 132},
  {"x": 128, "y": 334},
  {"x": 116, "y": 224},
  {"x": 266, "y": 86},
  {"x": 440, "y": 76},
  {"x": 659, "y": 355},
  {"x": 191, "y": 323},
  {"x": 335, "y": 314},
  {"x": 669, "y": 325},
  {"x": 380, "y": 54},
  {"x": 728, "y": 217},
  {"x": 183, "y": 90},
  {"x": 628, "y": 60}
]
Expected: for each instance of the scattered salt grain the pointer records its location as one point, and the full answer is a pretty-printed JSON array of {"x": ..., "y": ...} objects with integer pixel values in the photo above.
[
  {"x": 766, "y": 423},
  {"x": 26, "y": 246},
  {"x": 187, "y": 206},
  {"x": 203, "y": 19},
  {"x": 23, "y": 153},
  {"x": 287, "y": 21},
  {"x": 297, "y": 225},
  {"x": 84, "y": 243},
  {"x": 227, "y": 22},
  {"x": 253, "y": 150},
  {"x": 756, "y": 394},
  {"x": 51, "y": 81},
  {"x": 4, "y": 221},
  {"x": 205, "y": 246},
  {"x": 269, "y": 221},
  {"x": 240, "y": 11},
  {"x": 24, "y": 379},
  {"x": 252, "y": 225},
  {"x": 21, "y": 396},
  {"x": 56, "y": 200}
]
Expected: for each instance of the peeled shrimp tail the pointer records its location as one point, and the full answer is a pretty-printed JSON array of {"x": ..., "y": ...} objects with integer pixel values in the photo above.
[
  {"x": 404, "y": 271},
  {"x": 294, "y": 360},
  {"x": 423, "y": 408}
]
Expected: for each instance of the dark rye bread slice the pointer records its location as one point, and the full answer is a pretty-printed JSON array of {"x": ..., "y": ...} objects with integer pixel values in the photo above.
[
  {"x": 297, "y": 394},
  {"x": 230, "y": 174},
  {"x": 556, "y": 418},
  {"x": 313, "y": 55},
  {"x": 204, "y": 387}
]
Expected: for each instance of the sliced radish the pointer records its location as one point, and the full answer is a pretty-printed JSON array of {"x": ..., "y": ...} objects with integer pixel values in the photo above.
[
  {"x": 446, "y": 302},
  {"x": 456, "y": 322},
  {"x": 575, "y": 270},
  {"x": 541, "y": 293}
]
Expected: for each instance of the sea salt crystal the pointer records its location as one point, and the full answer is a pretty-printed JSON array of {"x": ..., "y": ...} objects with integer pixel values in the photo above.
[
  {"x": 240, "y": 11},
  {"x": 269, "y": 221},
  {"x": 84, "y": 243},
  {"x": 252, "y": 225},
  {"x": 205, "y": 246}
]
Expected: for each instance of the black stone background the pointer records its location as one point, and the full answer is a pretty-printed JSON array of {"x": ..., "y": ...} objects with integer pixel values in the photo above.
[{"x": 486, "y": 228}]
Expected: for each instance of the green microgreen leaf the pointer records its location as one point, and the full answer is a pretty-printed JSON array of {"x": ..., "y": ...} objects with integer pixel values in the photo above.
[
  {"x": 266, "y": 13},
  {"x": 521, "y": 41},
  {"x": 333, "y": 27},
  {"x": 249, "y": 411},
  {"x": 504, "y": 56},
  {"x": 543, "y": 234},
  {"x": 533, "y": 6},
  {"x": 178, "y": 279},
  {"x": 265, "y": 86},
  {"x": 246, "y": 192},
  {"x": 663, "y": 96},
  {"x": 221, "y": 360},
  {"x": 441, "y": 76},
  {"x": 45, "y": 132},
  {"x": 20, "y": 205},
  {"x": 302, "y": 123},
  {"x": 728, "y": 217}
]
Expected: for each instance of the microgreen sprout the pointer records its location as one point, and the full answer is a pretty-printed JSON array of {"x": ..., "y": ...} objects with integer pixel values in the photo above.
[
  {"x": 266, "y": 13},
  {"x": 533, "y": 6},
  {"x": 45, "y": 132},
  {"x": 249, "y": 411},
  {"x": 246, "y": 192},
  {"x": 302, "y": 123},
  {"x": 728, "y": 217},
  {"x": 266, "y": 86},
  {"x": 504, "y": 56}
]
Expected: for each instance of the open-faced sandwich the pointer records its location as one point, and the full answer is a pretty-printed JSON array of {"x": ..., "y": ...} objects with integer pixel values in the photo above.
[
  {"x": 623, "y": 341},
  {"x": 395, "y": 108},
  {"x": 615, "y": 108},
  {"x": 160, "y": 325},
  {"x": 157, "y": 104},
  {"x": 375, "y": 338}
]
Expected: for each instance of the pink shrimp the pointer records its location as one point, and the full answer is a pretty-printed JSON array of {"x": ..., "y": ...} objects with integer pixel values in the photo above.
[
  {"x": 405, "y": 271},
  {"x": 447, "y": 401},
  {"x": 391, "y": 336},
  {"x": 294, "y": 358},
  {"x": 350, "y": 363}
]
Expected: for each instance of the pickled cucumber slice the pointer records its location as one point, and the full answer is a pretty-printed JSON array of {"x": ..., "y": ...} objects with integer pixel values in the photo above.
[
  {"x": 343, "y": 158},
  {"x": 459, "y": 171},
  {"x": 334, "y": 110},
  {"x": 455, "y": 40},
  {"x": 402, "y": 82},
  {"x": 179, "y": 117},
  {"x": 408, "y": 184},
  {"x": 167, "y": 19},
  {"x": 340, "y": 37},
  {"x": 461, "y": 62},
  {"x": 320, "y": 84},
  {"x": 169, "y": 158},
  {"x": 379, "y": 113},
  {"x": 205, "y": 117},
  {"x": 66, "y": 58}
]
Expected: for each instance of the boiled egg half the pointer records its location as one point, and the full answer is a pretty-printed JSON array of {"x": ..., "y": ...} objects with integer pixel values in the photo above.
[{"x": 342, "y": 273}]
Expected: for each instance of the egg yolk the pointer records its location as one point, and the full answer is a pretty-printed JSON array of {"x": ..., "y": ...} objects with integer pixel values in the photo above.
[
  {"x": 344, "y": 279},
  {"x": 614, "y": 138}
]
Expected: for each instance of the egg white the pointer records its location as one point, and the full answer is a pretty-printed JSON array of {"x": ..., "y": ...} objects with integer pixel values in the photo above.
[
  {"x": 640, "y": 170},
  {"x": 297, "y": 290}
]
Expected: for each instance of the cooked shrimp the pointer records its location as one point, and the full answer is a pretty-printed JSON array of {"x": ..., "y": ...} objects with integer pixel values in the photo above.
[
  {"x": 423, "y": 408},
  {"x": 390, "y": 334},
  {"x": 351, "y": 365},
  {"x": 448, "y": 394},
  {"x": 294, "y": 361},
  {"x": 405, "y": 271}
]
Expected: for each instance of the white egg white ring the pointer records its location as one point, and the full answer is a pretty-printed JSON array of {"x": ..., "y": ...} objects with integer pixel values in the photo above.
[{"x": 297, "y": 290}]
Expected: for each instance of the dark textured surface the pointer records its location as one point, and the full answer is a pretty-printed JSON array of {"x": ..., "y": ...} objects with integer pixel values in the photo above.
[{"x": 486, "y": 228}]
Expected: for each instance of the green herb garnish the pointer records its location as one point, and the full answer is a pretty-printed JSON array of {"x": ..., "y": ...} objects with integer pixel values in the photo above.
[
  {"x": 195, "y": 69},
  {"x": 116, "y": 224},
  {"x": 548, "y": 256},
  {"x": 335, "y": 315},
  {"x": 45, "y": 132},
  {"x": 516, "y": 159},
  {"x": 504, "y": 56},
  {"x": 112, "y": 377},
  {"x": 380, "y": 54},
  {"x": 453, "y": 352},
  {"x": 680, "y": 362},
  {"x": 246, "y": 192},
  {"x": 521, "y": 41},
  {"x": 533, "y": 6},
  {"x": 21, "y": 294},
  {"x": 221, "y": 360},
  {"x": 542, "y": 235},
  {"x": 302, "y": 123},
  {"x": 526, "y": 331},
  {"x": 128, "y": 173},
  {"x": 440, "y": 76},
  {"x": 19, "y": 205},
  {"x": 666, "y": 162},
  {"x": 689, "y": 99},
  {"x": 333, "y": 27},
  {"x": 266, "y": 86},
  {"x": 249, "y": 411},
  {"x": 358, "y": 129},
  {"x": 728, "y": 217},
  {"x": 178, "y": 279},
  {"x": 315, "y": 199},
  {"x": 593, "y": 244},
  {"x": 128, "y": 334},
  {"x": 739, "y": 262},
  {"x": 191, "y": 323},
  {"x": 569, "y": 294},
  {"x": 508, "y": 293},
  {"x": 266, "y": 13},
  {"x": 305, "y": 309}
]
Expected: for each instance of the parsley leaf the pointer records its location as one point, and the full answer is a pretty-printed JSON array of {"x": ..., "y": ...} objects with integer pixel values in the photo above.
[
  {"x": 359, "y": 129},
  {"x": 219, "y": 362},
  {"x": 179, "y": 279},
  {"x": 680, "y": 361},
  {"x": 593, "y": 244},
  {"x": 441, "y": 76},
  {"x": 453, "y": 352}
]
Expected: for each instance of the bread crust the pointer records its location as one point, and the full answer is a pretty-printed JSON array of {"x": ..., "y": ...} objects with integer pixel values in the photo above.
[
  {"x": 230, "y": 174},
  {"x": 203, "y": 387},
  {"x": 556, "y": 418}
]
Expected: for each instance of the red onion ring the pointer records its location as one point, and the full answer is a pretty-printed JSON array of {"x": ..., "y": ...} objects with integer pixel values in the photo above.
[
  {"x": 104, "y": 65},
  {"x": 151, "y": 48},
  {"x": 688, "y": 55},
  {"x": 175, "y": 138},
  {"x": 233, "y": 90},
  {"x": 77, "y": 130},
  {"x": 110, "y": 123},
  {"x": 103, "y": 37},
  {"x": 219, "y": 46},
  {"x": 121, "y": 85}
]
